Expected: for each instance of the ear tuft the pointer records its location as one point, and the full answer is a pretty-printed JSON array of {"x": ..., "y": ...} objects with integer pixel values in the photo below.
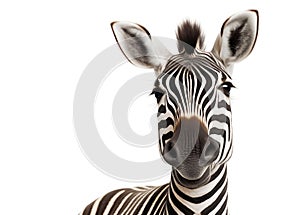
[{"x": 237, "y": 38}]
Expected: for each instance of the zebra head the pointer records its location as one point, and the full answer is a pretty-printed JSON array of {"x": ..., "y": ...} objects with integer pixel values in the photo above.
[{"x": 192, "y": 90}]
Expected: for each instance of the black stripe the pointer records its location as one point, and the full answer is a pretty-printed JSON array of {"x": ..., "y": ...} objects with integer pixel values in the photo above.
[
  {"x": 118, "y": 201},
  {"x": 217, "y": 173},
  {"x": 162, "y": 109},
  {"x": 218, "y": 131},
  {"x": 222, "y": 119},
  {"x": 219, "y": 118},
  {"x": 229, "y": 125},
  {"x": 165, "y": 123},
  {"x": 222, "y": 133},
  {"x": 172, "y": 83},
  {"x": 141, "y": 203},
  {"x": 162, "y": 208},
  {"x": 230, "y": 146},
  {"x": 178, "y": 91},
  {"x": 198, "y": 84},
  {"x": 205, "y": 101},
  {"x": 105, "y": 200},
  {"x": 161, "y": 202},
  {"x": 171, "y": 109},
  {"x": 184, "y": 89},
  {"x": 207, "y": 86},
  {"x": 167, "y": 136},
  {"x": 180, "y": 206},
  {"x": 223, "y": 104},
  {"x": 127, "y": 201},
  {"x": 152, "y": 199},
  {"x": 211, "y": 207},
  {"x": 223, "y": 207},
  {"x": 209, "y": 108},
  {"x": 203, "y": 198},
  {"x": 170, "y": 209},
  {"x": 192, "y": 87},
  {"x": 88, "y": 208},
  {"x": 139, "y": 196}
]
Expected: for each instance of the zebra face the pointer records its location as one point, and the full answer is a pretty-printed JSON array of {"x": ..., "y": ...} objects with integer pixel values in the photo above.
[
  {"x": 194, "y": 114},
  {"x": 192, "y": 90}
]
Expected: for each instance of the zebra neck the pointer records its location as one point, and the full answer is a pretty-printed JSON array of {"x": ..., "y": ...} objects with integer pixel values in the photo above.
[{"x": 210, "y": 198}]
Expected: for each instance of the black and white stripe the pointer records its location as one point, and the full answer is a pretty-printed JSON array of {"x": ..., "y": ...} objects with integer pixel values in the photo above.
[
  {"x": 194, "y": 117},
  {"x": 169, "y": 199},
  {"x": 193, "y": 87}
]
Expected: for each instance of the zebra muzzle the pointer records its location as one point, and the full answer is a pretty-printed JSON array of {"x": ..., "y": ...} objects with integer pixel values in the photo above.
[{"x": 191, "y": 145}]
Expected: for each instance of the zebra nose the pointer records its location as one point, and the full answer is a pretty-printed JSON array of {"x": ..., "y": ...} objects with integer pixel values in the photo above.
[
  {"x": 210, "y": 152},
  {"x": 190, "y": 143}
]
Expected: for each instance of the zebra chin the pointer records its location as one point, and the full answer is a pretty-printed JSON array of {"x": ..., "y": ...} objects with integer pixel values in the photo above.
[
  {"x": 193, "y": 172},
  {"x": 191, "y": 180}
]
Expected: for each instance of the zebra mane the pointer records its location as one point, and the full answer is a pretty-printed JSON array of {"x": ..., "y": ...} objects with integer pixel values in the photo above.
[{"x": 187, "y": 35}]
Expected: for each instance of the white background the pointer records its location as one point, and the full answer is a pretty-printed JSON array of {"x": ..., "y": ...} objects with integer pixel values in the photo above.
[{"x": 44, "y": 48}]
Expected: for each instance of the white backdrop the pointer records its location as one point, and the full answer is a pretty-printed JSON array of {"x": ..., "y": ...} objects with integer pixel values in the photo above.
[{"x": 44, "y": 48}]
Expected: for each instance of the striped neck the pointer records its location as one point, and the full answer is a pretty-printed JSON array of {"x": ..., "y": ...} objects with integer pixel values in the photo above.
[{"x": 210, "y": 198}]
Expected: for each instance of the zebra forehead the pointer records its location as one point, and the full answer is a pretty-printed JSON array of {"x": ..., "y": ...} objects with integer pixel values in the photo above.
[
  {"x": 199, "y": 67},
  {"x": 188, "y": 69}
]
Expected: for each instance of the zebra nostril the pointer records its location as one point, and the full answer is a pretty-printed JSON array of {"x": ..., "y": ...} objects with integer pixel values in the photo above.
[
  {"x": 210, "y": 152},
  {"x": 170, "y": 153}
]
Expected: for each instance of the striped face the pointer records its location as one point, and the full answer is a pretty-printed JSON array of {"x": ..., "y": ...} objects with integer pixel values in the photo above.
[
  {"x": 192, "y": 90},
  {"x": 194, "y": 114}
]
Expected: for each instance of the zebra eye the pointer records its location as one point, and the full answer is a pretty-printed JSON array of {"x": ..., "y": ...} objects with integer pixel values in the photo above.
[
  {"x": 226, "y": 87},
  {"x": 158, "y": 95}
]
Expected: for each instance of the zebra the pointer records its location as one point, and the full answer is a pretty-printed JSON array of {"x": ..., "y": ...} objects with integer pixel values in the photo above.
[{"x": 192, "y": 89}]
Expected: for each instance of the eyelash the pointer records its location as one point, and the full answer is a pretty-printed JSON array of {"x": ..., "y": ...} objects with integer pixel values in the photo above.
[{"x": 226, "y": 87}]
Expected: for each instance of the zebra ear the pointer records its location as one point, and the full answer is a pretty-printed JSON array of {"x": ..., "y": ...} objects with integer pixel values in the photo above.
[
  {"x": 237, "y": 38},
  {"x": 138, "y": 47}
]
